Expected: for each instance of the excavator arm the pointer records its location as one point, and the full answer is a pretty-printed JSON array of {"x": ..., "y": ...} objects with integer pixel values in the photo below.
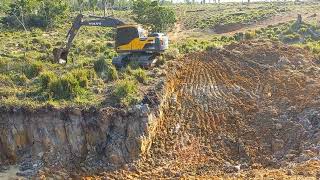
[{"x": 62, "y": 53}]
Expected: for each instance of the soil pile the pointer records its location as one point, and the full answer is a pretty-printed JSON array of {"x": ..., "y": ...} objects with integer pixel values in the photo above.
[{"x": 249, "y": 110}]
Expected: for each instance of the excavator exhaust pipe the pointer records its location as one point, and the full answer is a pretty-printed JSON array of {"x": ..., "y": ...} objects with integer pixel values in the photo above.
[{"x": 60, "y": 55}]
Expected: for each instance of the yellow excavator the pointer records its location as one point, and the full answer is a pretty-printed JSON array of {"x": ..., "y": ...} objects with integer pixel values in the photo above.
[{"x": 131, "y": 41}]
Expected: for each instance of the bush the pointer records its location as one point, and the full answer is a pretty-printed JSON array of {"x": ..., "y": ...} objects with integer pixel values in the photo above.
[
  {"x": 150, "y": 13},
  {"x": 171, "y": 53},
  {"x": 189, "y": 46},
  {"x": 46, "y": 78},
  {"x": 20, "y": 79},
  {"x": 112, "y": 73},
  {"x": 5, "y": 80},
  {"x": 238, "y": 36},
  {"x": 291, "y": 38},
  {"x": 161, "y": 61},
  {"x": 126, "y": 92},
  {"x": 128, "y": 70},
  {"x": 303, "y": 30},
  {"x": 3, "y": 65},
  {"x": 34, "y": 13},
  {"x": 250, "y": 35},
  {"x": 83, "y": 76},
  {"x": 100, "y": 65},
  {"x": 258, "y": 31},
  {"x": 33, "y": 70},
  {"x": 67, "y": 87},
  {"x": 105, "y": 69},
  {"x": 140, "y": 75}
]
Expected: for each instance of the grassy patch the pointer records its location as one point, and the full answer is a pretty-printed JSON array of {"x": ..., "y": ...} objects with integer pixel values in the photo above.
[
  {"x": 33, "y": 70},
  {"x": 126, "y": 92},
  {"x": 140, "y": 75},
  {"x": 105, "y": 69}
]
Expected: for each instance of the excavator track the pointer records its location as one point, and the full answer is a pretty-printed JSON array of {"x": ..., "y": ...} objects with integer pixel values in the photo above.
[{"x": 144, "y": 60}]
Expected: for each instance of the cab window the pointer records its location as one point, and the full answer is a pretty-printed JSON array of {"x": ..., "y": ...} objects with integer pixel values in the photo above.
[{"x": 125, "y": 35}]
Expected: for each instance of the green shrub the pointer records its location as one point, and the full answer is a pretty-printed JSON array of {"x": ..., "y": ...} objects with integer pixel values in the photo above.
[
  {"x": 35, "y": 13},
  {"x": 20, "y": 79},
  {"x": 112, "y": 73},
  {"x": 126, "y": 92},
  {"x": 249, "y": 35},
  {"x": 111, "y": 54},
  {"x": 287, "y": 32},
  {"x": 46, "y": 78},
  {"x": 291, "y": 38},
  {"x": 224, "y": 38},
  {"x": 278, "y": 31},
  {"x": 100, "y": 65},
  {"x": 275, "y": 29},
  {"x": 105, "y": 69},
  {"x": 140, "y": 75},
  {"x": 171, "y": 53},
  {"x": 3, "y": 65},
  {"x": 33, "y": 70},
  {"x": 161, "y": 61},
  {"x": 83, "y": 76},
  {"x": 5, "y": 80},
  {"x": 238, "y": 36},
  {"x": 128, "y": 70},
  {"x": 303, "y": 30},
  {"x": 67, "y": 87}
]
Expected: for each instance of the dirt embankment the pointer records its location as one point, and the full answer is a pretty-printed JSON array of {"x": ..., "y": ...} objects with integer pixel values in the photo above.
[
  {"x": 73, "y": 138},
  {"x": 250, "y": 110}
]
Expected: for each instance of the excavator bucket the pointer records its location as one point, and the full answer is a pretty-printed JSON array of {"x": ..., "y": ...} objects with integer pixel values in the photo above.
[{"x": 60, "y": 55}]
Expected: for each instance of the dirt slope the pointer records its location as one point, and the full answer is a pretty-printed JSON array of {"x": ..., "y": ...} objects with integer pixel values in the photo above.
[{"x": 250, "y": 110}]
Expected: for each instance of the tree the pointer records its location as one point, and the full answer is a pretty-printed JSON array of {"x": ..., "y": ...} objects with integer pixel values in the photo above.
[
  {"x": 80, "y": 4},
  {"x": 18, "y": 11},
  {"x": 4, "y": 5},
  {"x": 150, "y": 13},
  {"x": 92, "y": 4},
  {"x": 34, "y": 13},
  {"x": 104, "y": 4},
  {"x": 51, "y": 10}
]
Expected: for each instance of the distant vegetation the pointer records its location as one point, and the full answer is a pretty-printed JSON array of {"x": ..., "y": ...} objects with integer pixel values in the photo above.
[
  {"x": 304, "y": 34},
  {"x": 212, "y": 16},
  {"x": 33, "y": 13}
]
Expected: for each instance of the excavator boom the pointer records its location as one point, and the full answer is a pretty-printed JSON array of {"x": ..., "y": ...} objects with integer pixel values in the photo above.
[{"x": 62, "y": 53}]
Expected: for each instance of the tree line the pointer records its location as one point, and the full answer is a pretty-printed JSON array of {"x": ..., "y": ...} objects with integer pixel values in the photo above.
[{"x": 47, "y": 13}]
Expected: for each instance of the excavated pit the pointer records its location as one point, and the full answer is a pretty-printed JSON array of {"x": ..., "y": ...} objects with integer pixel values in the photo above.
[{"x": 241, "y": 111}]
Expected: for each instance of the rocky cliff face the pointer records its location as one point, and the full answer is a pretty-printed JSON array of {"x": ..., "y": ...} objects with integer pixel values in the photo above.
[{"x": 71, "y": 137}]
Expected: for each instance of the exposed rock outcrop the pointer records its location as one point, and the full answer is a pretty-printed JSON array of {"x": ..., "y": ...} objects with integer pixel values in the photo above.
[{"x": 70, "y": 137}]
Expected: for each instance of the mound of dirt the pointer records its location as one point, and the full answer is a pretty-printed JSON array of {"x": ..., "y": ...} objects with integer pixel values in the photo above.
[{"x": 249, "y": 110}]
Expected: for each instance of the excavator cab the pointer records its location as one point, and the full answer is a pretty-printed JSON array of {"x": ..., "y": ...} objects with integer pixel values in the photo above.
[
  {"x": 133, "y": 43},
  {"x": 133, "y": 38}
]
